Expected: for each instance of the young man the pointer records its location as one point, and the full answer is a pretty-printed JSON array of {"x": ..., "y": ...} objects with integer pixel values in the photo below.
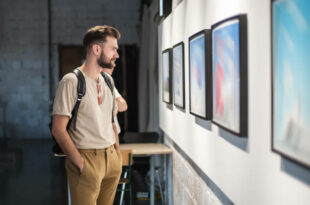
[
  {"x": 93, "y": 162},
  {"x": 120, "y": 101}
]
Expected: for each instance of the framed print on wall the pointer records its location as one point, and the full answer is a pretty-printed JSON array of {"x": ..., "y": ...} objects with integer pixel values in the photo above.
[
  {"x": 167, "y": 76},
  {"x": 200, "y": 76},
  {"x": 290, "y": 79},
  {"x": 165, "y": 8},
  {"x": 229, "y": 70},
  {"x": 178, "y": 75}
]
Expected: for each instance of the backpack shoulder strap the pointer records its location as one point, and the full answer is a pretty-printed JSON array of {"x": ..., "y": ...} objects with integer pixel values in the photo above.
[
  {"x": 108, "y": 81},
  {"x": 110, "y": 84},
  {"x": 81, "y": 86},
  {"x": 81, "y": 90}
]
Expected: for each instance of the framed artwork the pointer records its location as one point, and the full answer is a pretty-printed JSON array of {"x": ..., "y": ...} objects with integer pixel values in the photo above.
[
  {"x": 290, "y": 80},
  {"x": 178, "y": 75},
  {"x": 167, "y": 76},
  {"x": 229, "y": 69},
  {"x": 164, "y": 8},
  {"x": 200, "y": 76}
]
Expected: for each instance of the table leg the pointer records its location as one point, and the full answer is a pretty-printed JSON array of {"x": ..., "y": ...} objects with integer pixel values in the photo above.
[
  {"x": 69, "y": 198},
  {"x": 152, "y": 180},
  {"x": 159, "y": 184},
  {"x": 165, "y": 179},
  {"x": 170, "y": 180}
]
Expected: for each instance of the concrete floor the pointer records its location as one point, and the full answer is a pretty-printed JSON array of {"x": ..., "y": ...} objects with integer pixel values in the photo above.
[{"x": 30, "y": 174}]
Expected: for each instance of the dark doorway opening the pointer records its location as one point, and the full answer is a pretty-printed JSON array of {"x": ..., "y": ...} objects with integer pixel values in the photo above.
[{"x": 70, "y": 57}]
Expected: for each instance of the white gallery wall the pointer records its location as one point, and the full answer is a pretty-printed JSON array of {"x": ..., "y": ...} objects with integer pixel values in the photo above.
[{"x": 245, "y": 169}]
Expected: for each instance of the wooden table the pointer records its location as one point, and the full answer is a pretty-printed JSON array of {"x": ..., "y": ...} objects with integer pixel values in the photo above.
[
  {"x": 152, "y": 149},
  {"x": 147, "y": 148}
]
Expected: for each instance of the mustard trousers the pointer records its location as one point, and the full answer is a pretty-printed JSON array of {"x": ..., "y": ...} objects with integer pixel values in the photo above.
[{"x": 97, "y": 184}]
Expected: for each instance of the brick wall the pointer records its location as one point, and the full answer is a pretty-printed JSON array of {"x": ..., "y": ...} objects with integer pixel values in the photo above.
[
  {"x": 190, "y": 185},
  {"x": 24, "y": 74},
  {"x": 23, "y": 68}
]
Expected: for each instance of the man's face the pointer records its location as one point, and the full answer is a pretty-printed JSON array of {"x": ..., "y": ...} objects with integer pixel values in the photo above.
[{"x": 109, "y": 53}]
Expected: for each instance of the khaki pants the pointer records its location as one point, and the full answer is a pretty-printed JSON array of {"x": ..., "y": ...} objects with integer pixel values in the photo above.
[{"x": 98, "y": 182}]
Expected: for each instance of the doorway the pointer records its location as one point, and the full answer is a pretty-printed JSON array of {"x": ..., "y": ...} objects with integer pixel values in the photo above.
[{"x": 70, "y": 57}]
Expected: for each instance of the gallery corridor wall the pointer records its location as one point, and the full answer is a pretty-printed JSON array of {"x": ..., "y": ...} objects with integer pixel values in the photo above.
[{"x": 244, "y": 168}]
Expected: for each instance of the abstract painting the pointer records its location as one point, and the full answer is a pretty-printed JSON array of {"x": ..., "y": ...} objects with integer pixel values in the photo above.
[
  {"x": 199, "y": 75},
  {"x": 167, "y": 75},
  {"x": 178, "y": 75},
  {"x": 229, "y": 74},
  {"x": 291, "y": 84}
]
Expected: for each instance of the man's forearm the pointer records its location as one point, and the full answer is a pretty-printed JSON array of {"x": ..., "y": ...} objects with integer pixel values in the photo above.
[
  {"x": 121, "y": 104},
  {"x": 67, "y": 146}
]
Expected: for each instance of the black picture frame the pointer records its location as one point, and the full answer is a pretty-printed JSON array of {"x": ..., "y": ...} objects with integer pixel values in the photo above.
[
  {"x": 206, "y": 77},
  {"x": 291, "y": 143},
  {"x": 164, "y": 8},
  {"x": 242, "y": 108},
  {"x": 174, "y": 49},
  {"x": 167, "y": 82}
]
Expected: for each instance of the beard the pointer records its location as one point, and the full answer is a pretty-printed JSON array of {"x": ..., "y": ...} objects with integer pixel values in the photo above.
[{"x": 102, "y": 62}]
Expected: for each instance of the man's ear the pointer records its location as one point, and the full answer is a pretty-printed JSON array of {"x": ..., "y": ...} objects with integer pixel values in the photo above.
[{"x": 96, "y": 49}]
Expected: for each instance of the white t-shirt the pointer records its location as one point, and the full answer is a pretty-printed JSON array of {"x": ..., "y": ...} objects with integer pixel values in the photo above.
[
  {"x": 117, "y": 95},
  {"x": 94, "y": 128}
]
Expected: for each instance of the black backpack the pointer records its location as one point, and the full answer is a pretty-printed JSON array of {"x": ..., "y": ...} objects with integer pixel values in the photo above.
[{"x": 81, "y": 90}]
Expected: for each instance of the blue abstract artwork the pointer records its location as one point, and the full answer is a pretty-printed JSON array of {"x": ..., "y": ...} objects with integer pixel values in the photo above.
[
  {"x": 178, "y": 75},
  {"x": 226, "y": 75},
  {"x": 197, "y": 69},
  {"x": 291, "y": 79},
  {"x": 166, "y": 77}
]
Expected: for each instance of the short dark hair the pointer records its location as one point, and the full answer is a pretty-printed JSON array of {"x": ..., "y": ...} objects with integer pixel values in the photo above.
[{"x": 99, "y": 34}]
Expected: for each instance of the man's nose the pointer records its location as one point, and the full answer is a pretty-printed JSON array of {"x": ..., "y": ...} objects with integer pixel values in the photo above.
[{"x": 116, "y": 55}]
